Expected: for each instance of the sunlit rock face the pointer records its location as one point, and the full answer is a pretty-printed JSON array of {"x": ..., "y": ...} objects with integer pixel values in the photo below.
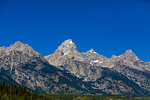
[
  {"x": 67, "y": 50},
  {"x": 74, "y": 72},
  {"x": 89, "y": 65},
  {"x": 17, "y": 54},
  {"x": 142, "y": 78},
  {"x": 28, "y": 68},
  {"x": 67, "y": 57},
  {"x": 130, "y": 59}
]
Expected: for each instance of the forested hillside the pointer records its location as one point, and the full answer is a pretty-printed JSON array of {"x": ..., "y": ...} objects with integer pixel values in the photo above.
[
  {"x": 9, "y": 91},
  {"x": 13, "y": 92}
]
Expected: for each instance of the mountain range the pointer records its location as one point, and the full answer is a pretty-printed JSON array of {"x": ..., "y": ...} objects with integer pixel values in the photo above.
[{"x": 69, "y": 71}]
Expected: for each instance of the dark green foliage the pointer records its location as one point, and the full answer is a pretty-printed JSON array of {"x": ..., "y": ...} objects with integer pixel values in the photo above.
[
  {"x": 15, "y": 92},
  {"x": 94, "y": 97}
]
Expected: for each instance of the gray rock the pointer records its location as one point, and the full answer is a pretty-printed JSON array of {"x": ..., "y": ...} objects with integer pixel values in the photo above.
[
  {"x": 88, "y": 66},
  {"x": 28, "y": 68},
  {"x": 74, "y": 72}
]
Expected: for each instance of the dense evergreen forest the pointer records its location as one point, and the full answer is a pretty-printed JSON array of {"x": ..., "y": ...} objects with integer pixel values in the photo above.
[{"x": 16, "y": 92}]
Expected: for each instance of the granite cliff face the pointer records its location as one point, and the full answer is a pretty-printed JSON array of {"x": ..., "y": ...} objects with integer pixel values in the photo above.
[
  {"x": 95, "y": 59},
  {"x": 17, "y": 54},
  {"x": 66, "y": 57},
  {"x": 113, "y": 82},
  {"x": 28, "y": 68},
  {"x": 89, "y": 65},
  {"x": 69, "y": 71},
  {"x": 67, "y": 50},
  {"x": 141, "y": 78},
  {"x": 130, "y": 59}
]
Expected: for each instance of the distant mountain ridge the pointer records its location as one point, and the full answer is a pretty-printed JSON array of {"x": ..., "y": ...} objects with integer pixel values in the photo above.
[
  {"x": 69, "y": 71},
  {"x": 28, "y": 68},
  {"x": 82, "y": 64},
  {"x": 69, "y": 50}
]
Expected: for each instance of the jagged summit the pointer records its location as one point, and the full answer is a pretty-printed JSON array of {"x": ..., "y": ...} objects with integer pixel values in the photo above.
[
  {"x": 91, "y": 51},
  {"x": 68, "y": 41},
  {"x": 21, "y": 49},
  {"x": 30, "y": 69},
  {"x": 67, "y": 47},
  {"x": 126, "y": 55},
  {"x": 129, "y": 54},
  {"x": 128, "y": 58},
  {"x": 16, "y": 44},
  {"x": 19, "y": 44},
  {"x": 67, "y": 50}
]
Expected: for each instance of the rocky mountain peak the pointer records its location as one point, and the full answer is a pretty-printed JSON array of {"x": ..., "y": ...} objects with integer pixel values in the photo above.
[
  {"x": 19, "y": 45},
  {"x": 129, "y": 54},
  {"x": 91, "y": 51},
  {"x": 67, "y": 47},
  {"x": 68, "y": 41},
  {"x": 22, "y": 49},
  {"x": 128, "y": 58},
  {"x": 67, "y": 50},
  {"x": 77, "y": 73}
]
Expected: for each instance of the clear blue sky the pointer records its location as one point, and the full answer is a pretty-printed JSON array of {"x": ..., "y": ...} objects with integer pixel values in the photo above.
[{"x": 110, "y": 27}]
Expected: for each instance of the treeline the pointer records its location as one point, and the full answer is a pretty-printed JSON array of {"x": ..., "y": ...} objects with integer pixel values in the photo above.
[
  {"x": 10, "y": 91},
  {"x": 16, "y": 92}
]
